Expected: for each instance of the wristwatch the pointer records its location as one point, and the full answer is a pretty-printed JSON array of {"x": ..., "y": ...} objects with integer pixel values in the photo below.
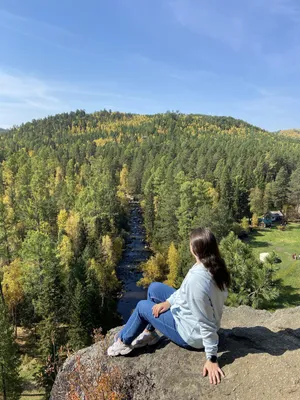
[{"x": 213, "y": 359}]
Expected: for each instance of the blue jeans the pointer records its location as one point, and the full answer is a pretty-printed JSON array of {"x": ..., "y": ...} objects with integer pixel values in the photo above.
[{"x": 143, "y": 318}]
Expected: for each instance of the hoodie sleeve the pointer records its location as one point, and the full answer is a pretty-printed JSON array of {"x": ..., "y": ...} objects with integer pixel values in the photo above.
[
  {"x": 172, "y": 298},
  {"x": 201, "y": 307}
]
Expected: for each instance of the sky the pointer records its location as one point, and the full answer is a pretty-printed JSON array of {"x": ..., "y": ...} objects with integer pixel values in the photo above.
[{"x": 236, "y": 58}]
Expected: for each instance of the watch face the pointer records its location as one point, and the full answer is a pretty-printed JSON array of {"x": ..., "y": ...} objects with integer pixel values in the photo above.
[{"x": 213, "y": 359}]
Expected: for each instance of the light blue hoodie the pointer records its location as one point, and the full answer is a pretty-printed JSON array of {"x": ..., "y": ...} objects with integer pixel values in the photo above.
[{"x": 197, "y": 307}]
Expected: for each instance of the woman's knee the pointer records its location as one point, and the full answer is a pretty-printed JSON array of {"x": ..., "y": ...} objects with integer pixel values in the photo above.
[
  {"x": 154, "y": 288},
  {"x": 144, "y": 307}
]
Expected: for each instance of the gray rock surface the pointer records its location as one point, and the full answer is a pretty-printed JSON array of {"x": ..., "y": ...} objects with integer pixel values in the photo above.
[{"x": 259, "y": 352}]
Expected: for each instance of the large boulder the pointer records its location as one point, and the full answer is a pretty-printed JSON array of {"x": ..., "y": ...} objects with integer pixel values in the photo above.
[{"x": 259, "y": 352}]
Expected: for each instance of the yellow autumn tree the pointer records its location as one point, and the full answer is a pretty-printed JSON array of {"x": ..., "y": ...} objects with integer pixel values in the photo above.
[
  {"x": 65, "y": 252},
  {"x": 173, "y": 263},
  {"x": 62, "y": 219},
  {"x": 58, "y": 175},
  {"x": 254, "y": 221},
  {"x": 72, "y": 228},
  {"x": 154, "y": 270},
  {"x": 12, "y": 287},
  {"x": 245, "y": 224},
  {"x": 212, "y": 192},
  {"x": 106, "y": 277},
  {"x": 107, "y": 249},
  {"x": 122, "y": 192},
  {"x": 9, "y": 192}
]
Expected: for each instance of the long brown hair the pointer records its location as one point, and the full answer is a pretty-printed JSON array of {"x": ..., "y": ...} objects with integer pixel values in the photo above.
[{"x": 205, "y": 247}]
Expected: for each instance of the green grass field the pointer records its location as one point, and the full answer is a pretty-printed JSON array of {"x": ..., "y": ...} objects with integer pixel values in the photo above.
[
  {"x": 29, "y": 366},
  {"x": 31, "y": 390},
  {"x": 285, "y": 244}
]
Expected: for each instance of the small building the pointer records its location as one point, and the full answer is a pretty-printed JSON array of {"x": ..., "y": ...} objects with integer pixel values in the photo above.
[{"x": 275, "y": 216}]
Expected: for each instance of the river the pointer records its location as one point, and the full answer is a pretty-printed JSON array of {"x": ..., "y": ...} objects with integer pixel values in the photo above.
[{"x": 136, "y": 251}]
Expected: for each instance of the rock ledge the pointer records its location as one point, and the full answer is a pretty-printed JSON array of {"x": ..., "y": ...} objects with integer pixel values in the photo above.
[{"x": 259, "y": 352}]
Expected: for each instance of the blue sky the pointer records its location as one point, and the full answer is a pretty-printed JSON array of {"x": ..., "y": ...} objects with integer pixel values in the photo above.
[{"x": 235, "y": 57}]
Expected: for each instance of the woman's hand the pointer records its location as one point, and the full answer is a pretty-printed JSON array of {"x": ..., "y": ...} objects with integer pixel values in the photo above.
[
  {"x": 160, "y": 308},
  {"x": 214, "y": 372}
]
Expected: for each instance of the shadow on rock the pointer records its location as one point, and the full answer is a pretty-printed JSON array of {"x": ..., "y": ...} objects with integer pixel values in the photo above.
[{"x": 239, "y": 342}]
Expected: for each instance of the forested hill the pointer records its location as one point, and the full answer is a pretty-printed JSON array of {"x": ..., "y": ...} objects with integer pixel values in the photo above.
[
  {"x": 64, "y": 186},
  {"x": 174, "y": 161},
  {"x": 291, "y": 133},
  {"x": 107, "y": 124}
]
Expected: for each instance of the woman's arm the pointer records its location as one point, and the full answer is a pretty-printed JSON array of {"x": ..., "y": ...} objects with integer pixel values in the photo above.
[
  {"x": 200, "y": 305},
  {"x": 202, "y": 309}
]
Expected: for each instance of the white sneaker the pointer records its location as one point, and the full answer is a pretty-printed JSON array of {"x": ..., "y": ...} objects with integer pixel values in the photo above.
[
  {"x": 145, "y": 339},
  {"x": 118, "y": 348}
]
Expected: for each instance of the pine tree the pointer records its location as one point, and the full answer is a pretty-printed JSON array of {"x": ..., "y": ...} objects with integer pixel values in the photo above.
[
  {"x": 280, "y": 189},
  {"x": 252, "y": 281},
  {"x": 294, "y": 189},
  {"x": 256, "y": 201},
  {"x": 149, "y": 213},
  {"x": 268, "y": 198},
  {"x": 166, "y": 224},
  {"x": 77, "y": 332},
  {"x": 10, "y": 383}
]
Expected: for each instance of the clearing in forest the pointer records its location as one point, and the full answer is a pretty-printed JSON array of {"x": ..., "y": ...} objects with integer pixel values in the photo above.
[{"x": 285, "y": 244}]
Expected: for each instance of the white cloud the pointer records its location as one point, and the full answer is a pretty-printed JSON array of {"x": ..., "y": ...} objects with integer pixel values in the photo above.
[
  {"x": 26, "y": 89},
  {"x": 24, "y": 97}
]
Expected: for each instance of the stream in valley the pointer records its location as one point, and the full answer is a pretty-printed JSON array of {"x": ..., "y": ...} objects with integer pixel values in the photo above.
[{"x": 136, "y": 251}]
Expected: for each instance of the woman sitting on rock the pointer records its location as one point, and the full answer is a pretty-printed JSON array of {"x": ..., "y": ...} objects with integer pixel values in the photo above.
[{"x": 189, "y": 316}]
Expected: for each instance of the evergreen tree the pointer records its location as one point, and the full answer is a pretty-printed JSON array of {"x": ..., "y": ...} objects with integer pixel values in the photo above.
[
  {"x": 280, "y": 189},
  {"x": 77, "y": 332},
  {"x": 149, "y": 212},
  {"x": 268, "y": 198},
  {"x": 252, "y": 282},
  {"x": 166, "y": 224},
  {"x": 256, "y": 201},
  {"x": 10, "y": 383},
  {"x": 294, "y": 189}
]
